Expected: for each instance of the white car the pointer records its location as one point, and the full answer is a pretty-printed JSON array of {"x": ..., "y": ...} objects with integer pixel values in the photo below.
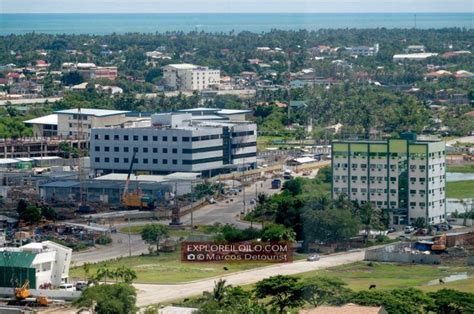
[
  {"x": 67, "y": 287},
  {"x": 409, "y": 229},
  {"x": 313, "y": 258}
]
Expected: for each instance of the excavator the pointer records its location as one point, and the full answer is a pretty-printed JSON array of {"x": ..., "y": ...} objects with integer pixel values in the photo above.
[
  {"x": 439, "y": 245},
  {"x": 23, "y": 297},
  {"x": 135, "y": 199}
]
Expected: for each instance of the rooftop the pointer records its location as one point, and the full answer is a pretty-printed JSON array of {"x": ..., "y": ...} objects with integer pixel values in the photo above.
[
  {"x": 93, "y": 112},
  {"x": 182, "y": 66},
  {"x": 51, "y": 119}
]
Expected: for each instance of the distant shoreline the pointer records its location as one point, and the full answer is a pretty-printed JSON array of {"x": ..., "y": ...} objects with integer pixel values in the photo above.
[{"x": 120, "y": 23}]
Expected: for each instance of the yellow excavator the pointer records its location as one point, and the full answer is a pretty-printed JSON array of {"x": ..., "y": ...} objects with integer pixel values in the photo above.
[
  {"x": 439, "y": 245},
  {"x": 135, "y": 199},
  {"x": 23, "y": 297}
]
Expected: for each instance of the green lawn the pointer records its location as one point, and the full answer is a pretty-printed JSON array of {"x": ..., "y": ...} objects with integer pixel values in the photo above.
[
  {"x": 460, "y": 189},
  {"x": 359, "y": 276},
  {"x": 461, "y": 168},
  {"x": 167, "y": 268}
]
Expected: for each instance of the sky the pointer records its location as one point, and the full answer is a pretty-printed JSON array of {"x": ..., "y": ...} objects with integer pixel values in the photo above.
[{"x": 233, "y": 6}]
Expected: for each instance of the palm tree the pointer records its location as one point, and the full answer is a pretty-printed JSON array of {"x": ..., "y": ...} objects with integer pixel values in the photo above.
[
  {"x": 218, "y": 292},
  {"x": 127, "y": 274},
  {"x": 103, "y": 272}
]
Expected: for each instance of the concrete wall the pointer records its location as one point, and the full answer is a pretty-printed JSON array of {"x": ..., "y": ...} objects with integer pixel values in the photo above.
[
  {"x": 405, "y": 258},
  {"x": 51, "y": 294}
]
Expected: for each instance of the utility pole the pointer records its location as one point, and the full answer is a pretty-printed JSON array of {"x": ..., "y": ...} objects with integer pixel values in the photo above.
[
  {"x": 129, "y": 237},
  {"x": 289, "y": 84}
]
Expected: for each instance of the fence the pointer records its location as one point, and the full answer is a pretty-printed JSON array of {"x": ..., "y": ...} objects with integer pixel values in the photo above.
[{"x": 395, "y": 255}]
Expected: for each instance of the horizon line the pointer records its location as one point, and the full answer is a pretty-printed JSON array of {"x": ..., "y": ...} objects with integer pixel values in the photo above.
[{"x": 296, "y": 12}]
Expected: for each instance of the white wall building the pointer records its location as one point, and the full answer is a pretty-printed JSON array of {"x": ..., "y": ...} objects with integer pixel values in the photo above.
[
  {"x": 364, "y": 50},
  {"x": 51, "y": 262},
  {"x": 176, "y": 142},
  {"x": 404, "y": 177},
  {"x": 68, "y": 120},
  {"x": 189, "y": 77}
]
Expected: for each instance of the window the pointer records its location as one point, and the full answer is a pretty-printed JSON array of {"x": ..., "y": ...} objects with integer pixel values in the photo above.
[
  {"x": 165, "y": 150},
  {"x": 412, "y": 191},
  {"x": 96, "y": 136},
  {"x": 125, "y": 160},
  {"x": 145, "y": 138},
  {"x": 135, "y": 160},
  {"x": 354, "y": 178},
  {"x": 155, "y": 161},
  {"x": 185, "y": 139},
  {"x": 155, "y": 150},
  {"x": 165, "y": 161},
  {"x": 175, "y": 162},
  {"x": 135, "y": 137},
  {"x": 106, "y": 159},
  {"x": 363, "y": 166},
  {"x": 155, "y": 138},
  {"x": 145, "y": 160},
  {"x": 116, "y": 160},
  {"x": 175, "y": 138},
  {"x": 165, "y": 138},
  {"x": 97, "y": 159},
  {"x": 125, "y": 137},
  {"x": 175, "y": 150},
  {"x": 116, "y": 138},
  {"x": 125, "y": 149},
  {"x": 116, "y": 149},
  {"x": 135, "y": 149},
  {"x": 107, "y": 148},
  {"x": 145, "y": 149},
  {"x": 106, "y": 137},
  {"x": 97, "y": 148}
]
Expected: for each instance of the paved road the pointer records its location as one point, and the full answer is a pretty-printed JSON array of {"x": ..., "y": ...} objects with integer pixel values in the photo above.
[
  {"x": 118, "y": 248},
  {"x": 29, "y": 101},
  {"x": 466, "y": 139},
  {"x": 152, "y": 293},
  {"x": 228, "y": 212}
]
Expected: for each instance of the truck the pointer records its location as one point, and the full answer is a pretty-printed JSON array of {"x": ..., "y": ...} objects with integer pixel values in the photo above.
[
  {"x": 276, "y": 184},
  {"x": 287, "y": 174}
]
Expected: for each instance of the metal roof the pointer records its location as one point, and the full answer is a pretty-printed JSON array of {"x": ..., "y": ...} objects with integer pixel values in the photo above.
[
  {"x": 61, "y": 184},
  {"x": 93, "y": 112},
  {"x": 16, "y": 259},
  {"x": 51, "y": 119}
]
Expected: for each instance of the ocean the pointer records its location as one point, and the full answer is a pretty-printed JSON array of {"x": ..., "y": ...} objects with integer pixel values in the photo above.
[{"x": 101, "y": 24}]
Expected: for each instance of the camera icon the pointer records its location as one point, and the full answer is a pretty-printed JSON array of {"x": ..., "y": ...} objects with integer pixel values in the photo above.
[{"x": 191, "y": 257}]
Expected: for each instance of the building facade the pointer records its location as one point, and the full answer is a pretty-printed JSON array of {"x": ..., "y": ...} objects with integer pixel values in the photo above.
[
  {"x": 68, "y": 120},
  {"x": 404, "y": 177},
  {"x": 189, "y": 77},
  {"x": 174, "y": 142}
]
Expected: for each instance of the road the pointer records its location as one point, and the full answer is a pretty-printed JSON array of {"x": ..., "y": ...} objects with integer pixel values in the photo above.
[
  {"x": 118, "y": 248},
  {"x": 226, "y": 211},
  {"x": 148, "y": 294},
  {"x": 31, "y": 101}
]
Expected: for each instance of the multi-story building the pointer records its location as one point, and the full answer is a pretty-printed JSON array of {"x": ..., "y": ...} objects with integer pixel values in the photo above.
[
  {"x": 68, "y": 121},
  {"x": 364, "y": 50},
  {"x": 41, "y": 263},
  {"x": 189, "y": 77},
  {"x": 404, "y": 177},
  {"x": 175, "y": 142}
]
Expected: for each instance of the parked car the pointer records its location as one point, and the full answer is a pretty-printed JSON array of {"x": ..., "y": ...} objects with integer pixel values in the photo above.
[
  {"x": 67, "y": 287},
  {"x": 81, "y": 285},
  {"x": 313, "y": 258},
  {"x": 409, "y": 229},
  {"x": 421, "y": 231},
  {"x": 391, "y": 230}
]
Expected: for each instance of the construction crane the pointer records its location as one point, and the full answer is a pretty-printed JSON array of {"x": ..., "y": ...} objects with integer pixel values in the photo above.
[
  {"x": 439, "y": 245},
  {"x": 83, "y": 207},
  {"x": 135, "y": 199},
  {"x": 23, "y": 297}
]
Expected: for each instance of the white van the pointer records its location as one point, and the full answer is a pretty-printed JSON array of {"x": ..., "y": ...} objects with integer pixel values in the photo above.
[{"x": 67, "y": 287}]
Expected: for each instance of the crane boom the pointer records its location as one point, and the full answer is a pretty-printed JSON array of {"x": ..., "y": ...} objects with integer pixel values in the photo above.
[{"x": 125, "y": 190}]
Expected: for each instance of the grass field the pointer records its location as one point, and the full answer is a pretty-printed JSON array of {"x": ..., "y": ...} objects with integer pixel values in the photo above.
[
  {"x": 461, "y": 168},
  {"x": 167, "y": 268},
  {"x": 460, "y": 189},
  {"x": 359, "y": 276}
]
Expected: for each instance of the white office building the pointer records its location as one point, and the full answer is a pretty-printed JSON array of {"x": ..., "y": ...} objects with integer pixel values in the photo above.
[
  {"x": 197, "y": 141},
  {"x": 189, "y": 77},
  {"x": 49, "y": 260},
  {"x": 403, "y": 177}
]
